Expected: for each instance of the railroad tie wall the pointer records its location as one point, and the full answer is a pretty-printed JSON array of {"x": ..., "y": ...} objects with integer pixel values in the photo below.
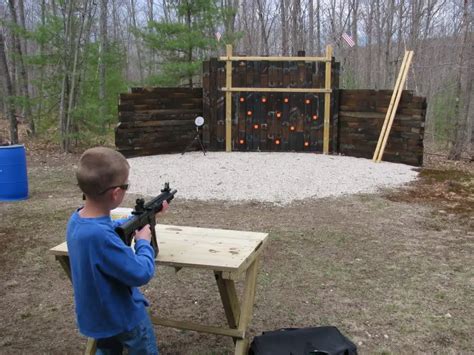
[
  {"x": 157, "y": 120},
  {"x": 361, "y": 116},
  {"x": 161, "y": 120}
]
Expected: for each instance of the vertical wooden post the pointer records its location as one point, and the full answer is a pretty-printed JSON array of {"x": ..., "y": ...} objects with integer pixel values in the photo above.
[
  {"x": 327, "y": 100},
  {"x": 228, "y": 100}
]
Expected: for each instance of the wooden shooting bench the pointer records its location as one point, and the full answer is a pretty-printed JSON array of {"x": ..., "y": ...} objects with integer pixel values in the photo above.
[{"x": 229, "y": 254}]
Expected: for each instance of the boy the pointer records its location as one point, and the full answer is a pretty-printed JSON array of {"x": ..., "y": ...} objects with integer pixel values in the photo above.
[{"x": 105, "y": 271}]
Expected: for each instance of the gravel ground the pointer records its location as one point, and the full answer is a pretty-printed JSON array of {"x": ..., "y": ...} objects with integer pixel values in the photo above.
[{"x": 278, "y": 178}]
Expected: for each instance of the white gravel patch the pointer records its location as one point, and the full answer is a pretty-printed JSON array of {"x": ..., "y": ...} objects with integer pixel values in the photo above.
[{"x": 278, "y": 178}]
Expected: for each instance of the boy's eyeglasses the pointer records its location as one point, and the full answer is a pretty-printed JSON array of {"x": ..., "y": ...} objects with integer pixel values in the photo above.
[{"x": 123, "y": 187}]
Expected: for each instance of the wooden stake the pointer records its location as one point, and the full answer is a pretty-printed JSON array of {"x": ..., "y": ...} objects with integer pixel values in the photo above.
[
  {"x": 228, "y": 99},
  {"x": 394, "y": 110},
  {"x": 390, "y": 107},
  {"x": 327, "y": 100}
]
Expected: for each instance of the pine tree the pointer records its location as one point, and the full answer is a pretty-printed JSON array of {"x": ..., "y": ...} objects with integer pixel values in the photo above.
[{"x": 182, "y": 45}]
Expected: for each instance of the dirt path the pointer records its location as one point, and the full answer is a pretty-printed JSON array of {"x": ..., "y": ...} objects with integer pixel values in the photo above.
[{"x": 394, "y": 272}]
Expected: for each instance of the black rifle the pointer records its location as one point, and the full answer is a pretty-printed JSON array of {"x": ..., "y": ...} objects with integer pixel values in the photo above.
[{"x": 144, "y": 214}]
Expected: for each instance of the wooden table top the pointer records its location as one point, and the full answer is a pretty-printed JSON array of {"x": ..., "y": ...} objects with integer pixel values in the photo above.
[{"x": 207, "y": 248}]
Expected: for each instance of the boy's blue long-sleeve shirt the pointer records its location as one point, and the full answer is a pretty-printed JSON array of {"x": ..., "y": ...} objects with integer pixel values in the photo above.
[{"x": 105, "y": 276}]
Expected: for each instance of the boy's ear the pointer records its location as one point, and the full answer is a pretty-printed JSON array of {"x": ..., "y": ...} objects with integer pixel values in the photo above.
[{"x": 116, "y": 193}]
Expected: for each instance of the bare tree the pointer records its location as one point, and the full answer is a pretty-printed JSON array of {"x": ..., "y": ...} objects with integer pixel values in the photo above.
[
  {"x": 23, "y": 74},
  {"x": 296, "y": 43},
  {"x": 284, "y": 27},
  {"x": 74, "y": 29},
  {"x": 311, "y": 27},
  {"x": 264, "y": 33},
  {"x": 463, "y": 86},
  {"x": 102, "y": 66},
  {"x": 137, "y": 40},
  {"x": 7, "y": 83},
  {"x": 318, "y": 26}
]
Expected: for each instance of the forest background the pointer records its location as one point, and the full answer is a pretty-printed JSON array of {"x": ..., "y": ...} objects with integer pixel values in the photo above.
[{"x": 64, "y": 62}]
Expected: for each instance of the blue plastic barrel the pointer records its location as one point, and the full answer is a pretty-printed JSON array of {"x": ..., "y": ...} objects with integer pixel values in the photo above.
[{"x": 13, "y": 176}]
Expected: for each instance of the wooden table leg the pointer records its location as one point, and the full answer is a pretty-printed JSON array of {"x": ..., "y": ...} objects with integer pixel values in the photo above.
[
  {"x": 230, "y": 301},
  {"x": 241, "y": 345},
  {"x": 64, "y": 261},
  {"x": 91, "y": 346}
]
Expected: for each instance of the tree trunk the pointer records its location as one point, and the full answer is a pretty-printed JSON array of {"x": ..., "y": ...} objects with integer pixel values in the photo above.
[
  {"x": 102, "y": 55},
  {"x": 369, "y": 33},
  {"x": 263, "y": 31},
  {"x": 190, "y": 50},
  {"x": 23, "y": 74},
  {"x": 284, "y": 28},
  {"x": 9, "y": 92},
  {"x": 65, "y": 79},
  {"x": 151, "y": 15},
  {"x": 463, "y": 88},
  {"x": 318, "y": 26},
  {"x": 73, "y": 85},
  {"x": 295, "y": 30},
  {"x": 39, "y": 110},
  {"x": 388, "y": 42},
  {"x": 137, "y": 42},
  {"x": 311, "y": 27}
]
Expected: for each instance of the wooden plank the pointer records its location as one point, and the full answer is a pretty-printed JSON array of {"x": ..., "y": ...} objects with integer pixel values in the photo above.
[
  {"x": 235, "y": 333},
  {"x": 392, "y": 105},
  {"x": 327, "y": 100},
  {"x": 157, "y": 99},
  {"x": 158, "y": 116},
  {"x": 228, "y": 101},
  {"x": 64, "y": 262},
  {"x": 168, "y": 95},
  {"x": 229, "y": 298},
  {"x": 288, "y": 90},
  {"x": 180, "y": 111},
  {"x": 170, "y": 123},
  {"x": 392, "y": 115},
  {"x": 242, "y": 347},
  {"x": 91, "y": 346},
  {"x": 167, "y": 91},
  {"x": 175, "y": 143},
  {"x": 215, "y": 249},
  {"x": 274, "y": 59}
]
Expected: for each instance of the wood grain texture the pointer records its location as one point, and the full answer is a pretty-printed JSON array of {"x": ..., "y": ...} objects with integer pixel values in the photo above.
[{"x": 205, "y": 248}]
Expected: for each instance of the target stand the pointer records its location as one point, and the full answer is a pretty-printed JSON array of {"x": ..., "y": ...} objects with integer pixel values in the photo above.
[{"x": 199, "y": 121}]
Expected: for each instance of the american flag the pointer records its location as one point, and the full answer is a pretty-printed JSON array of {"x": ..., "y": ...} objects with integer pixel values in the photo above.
[{"x": 348, "y": 39}]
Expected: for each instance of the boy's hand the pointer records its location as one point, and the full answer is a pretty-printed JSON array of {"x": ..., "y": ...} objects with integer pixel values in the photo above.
[
  {"x": 144, "y": 233},
  {"x": 163, "y": 209}
]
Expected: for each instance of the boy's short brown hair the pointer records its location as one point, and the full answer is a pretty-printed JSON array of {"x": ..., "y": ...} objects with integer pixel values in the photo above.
[{"x": 100, "y": 168}]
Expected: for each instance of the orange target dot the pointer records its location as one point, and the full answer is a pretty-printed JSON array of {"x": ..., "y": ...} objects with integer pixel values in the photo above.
[
  {"x": 255, "y": 126},
  {"x": 307, "y": 101},
  {"x": 278, "y": 114},
  {"x": 249, "y": 113},
  {"x": 315, "y": 117},
  {"x": 241, "y": 99},
  {"x": 285, "y": 100},
  {"x": 241, "y": 141},
  {"x": 264, "y": 99},
  {"x": 292, "y": 128},
  {"x": 306, "y": 144},
  {"x": 277, "y": 141}
]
